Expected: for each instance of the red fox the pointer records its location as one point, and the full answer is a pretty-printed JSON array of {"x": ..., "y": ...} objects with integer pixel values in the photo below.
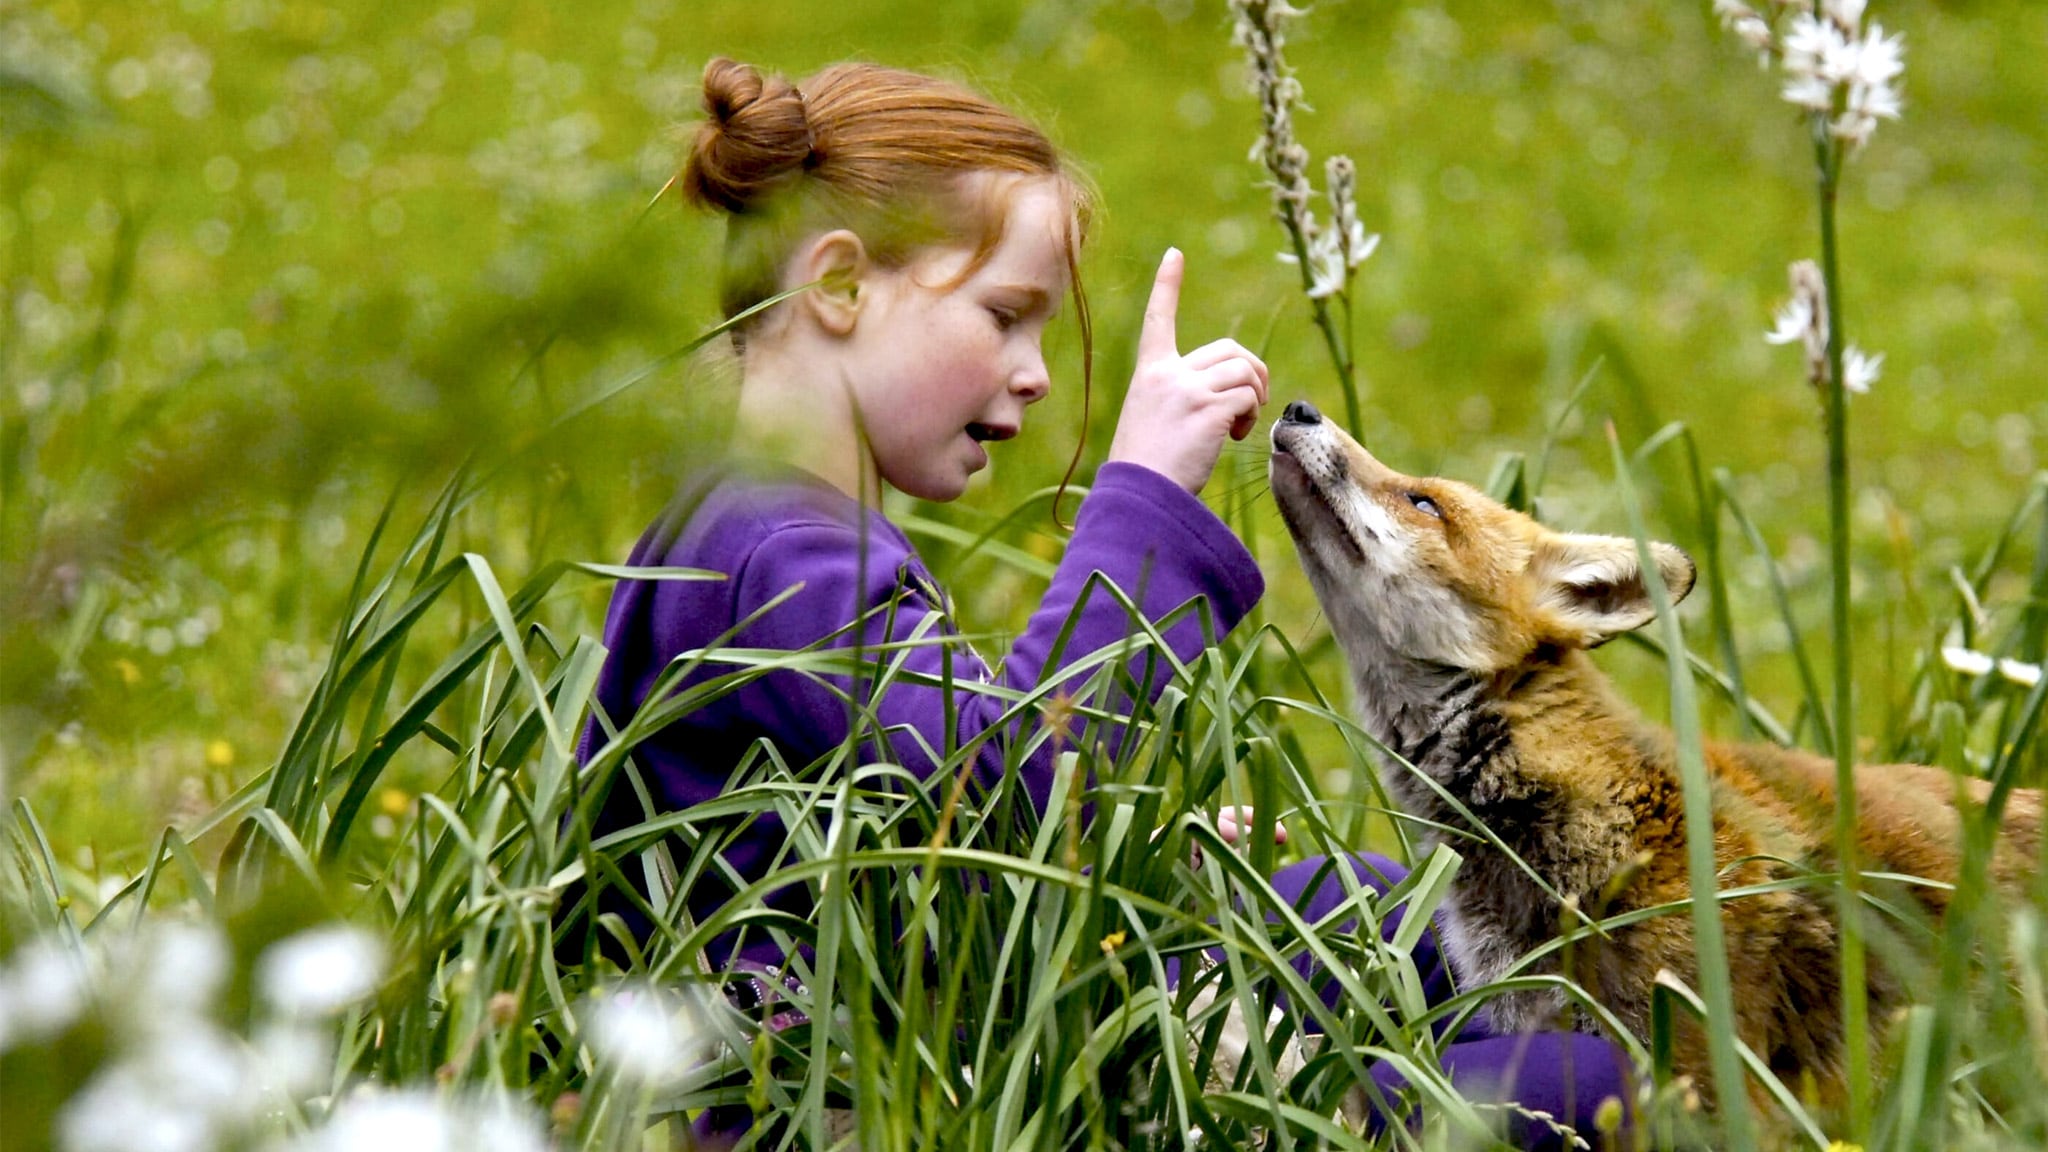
[{"x": 1466, "y": 625}]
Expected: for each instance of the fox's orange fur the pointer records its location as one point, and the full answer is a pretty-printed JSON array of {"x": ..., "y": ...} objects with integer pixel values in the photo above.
[{"x": 1465, "y": 624}]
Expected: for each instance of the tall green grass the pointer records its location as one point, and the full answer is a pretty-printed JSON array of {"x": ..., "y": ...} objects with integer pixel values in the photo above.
[{"x": 980, "y": 976}]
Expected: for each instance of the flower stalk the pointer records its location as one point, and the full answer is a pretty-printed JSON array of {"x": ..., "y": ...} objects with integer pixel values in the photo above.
[
  {"x": 1842, "y": 74},
  {"x": 1855, "y": 1001}
]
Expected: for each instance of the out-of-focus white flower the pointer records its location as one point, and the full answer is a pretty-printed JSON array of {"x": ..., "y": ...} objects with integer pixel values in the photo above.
[
  {"x": 408, "y": 1121},
  {"x": 41, "y": 992},
  {"x": 503, "y": 1126},
  {"x": 293, "y": 1058},
  {"x": 177, "y": 969},
  {"x": 187, "y": 1091},
  {"x": 1971, "y": 662},
  {"x": 320, "y": 970},
  {"x": 645, "y": 1034},
  {"x": 2024, "y": 675},
  {"x": 201, "y": 1067},
  {"x": 415, "y": 1121},
  {"x": 1859, "y": 371},
  {"x": 1967, "y": 661},
  {"x": 118, "y": 1112}
]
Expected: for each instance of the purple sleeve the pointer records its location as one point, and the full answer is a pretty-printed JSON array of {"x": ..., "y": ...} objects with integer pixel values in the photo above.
[{"x": 1156, "y": 542}]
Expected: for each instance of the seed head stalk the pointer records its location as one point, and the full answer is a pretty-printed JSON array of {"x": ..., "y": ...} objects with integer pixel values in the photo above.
[{"x": 1327, "y": 255}]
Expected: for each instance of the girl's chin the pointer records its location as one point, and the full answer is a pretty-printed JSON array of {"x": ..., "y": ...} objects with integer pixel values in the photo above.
[{"x": 948, "y": 481}]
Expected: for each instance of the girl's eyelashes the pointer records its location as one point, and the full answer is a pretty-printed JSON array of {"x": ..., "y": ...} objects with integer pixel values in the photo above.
[
  {"x": 1425, "y": 505},
  {"x": 1004, "y": 318}
]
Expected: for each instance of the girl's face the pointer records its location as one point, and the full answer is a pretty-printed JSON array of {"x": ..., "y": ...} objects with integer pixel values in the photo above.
[{"x": 939, "y": 373}]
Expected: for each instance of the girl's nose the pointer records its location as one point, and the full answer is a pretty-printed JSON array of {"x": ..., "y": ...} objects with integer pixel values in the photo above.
[{"x": 1032, "y": 381}]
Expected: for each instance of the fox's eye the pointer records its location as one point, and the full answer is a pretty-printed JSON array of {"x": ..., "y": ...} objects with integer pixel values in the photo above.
[{"x": 1425, "y": 505}]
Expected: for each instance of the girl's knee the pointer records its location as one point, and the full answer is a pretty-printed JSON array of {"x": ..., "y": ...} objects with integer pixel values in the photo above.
[{"x": 1317, "y": 879}]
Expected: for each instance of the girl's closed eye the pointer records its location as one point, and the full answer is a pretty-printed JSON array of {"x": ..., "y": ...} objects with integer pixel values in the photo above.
[{"x": 1005, "y": 318}]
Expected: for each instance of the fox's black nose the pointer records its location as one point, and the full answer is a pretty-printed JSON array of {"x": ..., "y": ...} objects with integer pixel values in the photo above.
[{"x": 1300, "y": 412}]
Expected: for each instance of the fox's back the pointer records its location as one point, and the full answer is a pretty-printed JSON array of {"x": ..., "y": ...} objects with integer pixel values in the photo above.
[{"x": 1906, "y": 816}]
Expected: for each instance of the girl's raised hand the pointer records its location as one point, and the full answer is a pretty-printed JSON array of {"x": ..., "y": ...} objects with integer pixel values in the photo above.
[{"x": 1179, "y": 408}]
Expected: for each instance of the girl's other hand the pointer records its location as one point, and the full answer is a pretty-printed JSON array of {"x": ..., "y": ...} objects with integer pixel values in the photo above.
[
  {"x": 1179, "y": 408},
  {"x": 1233, "y": 823}
]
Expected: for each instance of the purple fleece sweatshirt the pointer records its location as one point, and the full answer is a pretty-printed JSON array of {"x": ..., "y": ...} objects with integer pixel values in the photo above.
[{"x": 774, "y": 529}]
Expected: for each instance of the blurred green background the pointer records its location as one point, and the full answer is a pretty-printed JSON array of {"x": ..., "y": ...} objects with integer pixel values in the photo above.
[{"x": 270, "y": 263}]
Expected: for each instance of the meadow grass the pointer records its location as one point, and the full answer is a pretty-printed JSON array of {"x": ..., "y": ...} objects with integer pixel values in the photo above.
[{"x": 979, "y": 976}]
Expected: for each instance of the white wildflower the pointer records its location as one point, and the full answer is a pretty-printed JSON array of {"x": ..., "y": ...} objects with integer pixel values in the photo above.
[
  {"x": 1817, "y": 57},
  {"x": 1804, "y": 319},
  {"x": 1748, "y": 25},
  {"x": 1859, "y": 371},
  {"x": 1752, "y": 30},
  {"x": 1871, "y": 96},
  {"x": 645, "y": 1034},
  {"x": 1835, "y": 68},
  {"x": 1792, "y": 320},
  {"x": 320, "y": 970},
  {"x": 1967, "y": 661},
  {"x": 1326, "y": 272},
  {"x": 1879, "y": 59},
  {"x": 1847, "y": 14}
]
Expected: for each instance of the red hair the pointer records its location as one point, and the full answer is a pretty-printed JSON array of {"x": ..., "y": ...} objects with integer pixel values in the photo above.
[{"x": 879, "y": 151}]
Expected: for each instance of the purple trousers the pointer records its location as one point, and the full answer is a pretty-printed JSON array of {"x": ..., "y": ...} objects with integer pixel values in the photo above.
[{"x": 1567, "y": 1075}]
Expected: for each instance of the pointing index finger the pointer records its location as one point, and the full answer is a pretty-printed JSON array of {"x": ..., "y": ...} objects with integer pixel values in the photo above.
[{"x": 1156, "y": 339}]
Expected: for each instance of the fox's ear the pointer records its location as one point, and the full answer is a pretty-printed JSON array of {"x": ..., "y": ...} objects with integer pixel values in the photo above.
[{"x": 1592, "y": 586}]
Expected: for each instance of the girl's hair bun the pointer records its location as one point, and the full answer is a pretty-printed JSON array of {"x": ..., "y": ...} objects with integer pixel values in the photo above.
[{"x": 755, "y": 135}]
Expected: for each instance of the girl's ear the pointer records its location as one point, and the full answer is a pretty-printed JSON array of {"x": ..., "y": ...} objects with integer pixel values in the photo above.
[
  {"x": 1592, "y": 587},
  {"x": 837, "y": 262}
]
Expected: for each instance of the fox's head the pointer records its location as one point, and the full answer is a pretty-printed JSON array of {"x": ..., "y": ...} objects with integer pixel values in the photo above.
[{"x": 1435, "y": 571}]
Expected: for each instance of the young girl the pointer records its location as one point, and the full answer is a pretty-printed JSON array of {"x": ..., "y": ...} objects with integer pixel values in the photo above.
[{"x": 939, "y": 233}]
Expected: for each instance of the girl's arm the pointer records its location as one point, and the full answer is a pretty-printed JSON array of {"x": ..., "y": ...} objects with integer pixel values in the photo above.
[{"x": 1140, "y": 530}]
